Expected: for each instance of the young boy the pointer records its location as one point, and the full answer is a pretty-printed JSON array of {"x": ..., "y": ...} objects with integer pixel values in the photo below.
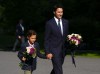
[{"x": 29, "y": 52}]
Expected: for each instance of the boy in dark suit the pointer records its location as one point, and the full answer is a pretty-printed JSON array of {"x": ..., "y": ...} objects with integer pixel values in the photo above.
[{"x": 30, "y": 61}]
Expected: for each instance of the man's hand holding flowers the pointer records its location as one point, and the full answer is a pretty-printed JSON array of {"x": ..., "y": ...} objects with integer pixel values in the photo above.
[{"x": 74, "y": 40}]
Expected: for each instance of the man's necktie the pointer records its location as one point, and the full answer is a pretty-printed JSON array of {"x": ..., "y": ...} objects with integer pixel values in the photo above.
[{"x": 59, "y": 25}]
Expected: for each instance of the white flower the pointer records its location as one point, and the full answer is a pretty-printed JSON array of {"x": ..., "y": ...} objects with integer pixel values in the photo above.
[
  {"x": 69, "y": 36},
  {"x": 72, "y": 34},
  {"x": 75, "y": 35},
  {"x": 79, "y": 37},
  {"x": 28, "y": 49},
  {"x": 76, "y": 42}
]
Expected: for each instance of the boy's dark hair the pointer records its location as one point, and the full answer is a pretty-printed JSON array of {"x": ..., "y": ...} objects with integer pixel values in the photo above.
[
  {"x": 57, "y": 6},
  {"x": 31, "y": 32}
]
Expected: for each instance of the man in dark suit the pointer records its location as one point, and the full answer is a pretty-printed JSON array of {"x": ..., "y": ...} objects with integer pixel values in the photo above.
[
  {"x": 19, "y": 34},
  {"x": 56, "y": 32}
]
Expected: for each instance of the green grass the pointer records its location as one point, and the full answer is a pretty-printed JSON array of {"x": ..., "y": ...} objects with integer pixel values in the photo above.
[{"x": 90, "y": 55}]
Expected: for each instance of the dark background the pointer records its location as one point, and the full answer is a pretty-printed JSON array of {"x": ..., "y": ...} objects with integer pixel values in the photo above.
[{"x": 83, "y": 16}]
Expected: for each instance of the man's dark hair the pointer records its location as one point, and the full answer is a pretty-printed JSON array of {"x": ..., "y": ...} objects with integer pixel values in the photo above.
[{"x": 57, "y": 6}]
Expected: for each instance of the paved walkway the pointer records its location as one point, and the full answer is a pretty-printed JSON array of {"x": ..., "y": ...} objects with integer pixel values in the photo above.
[{"x": 9, "y": 65}]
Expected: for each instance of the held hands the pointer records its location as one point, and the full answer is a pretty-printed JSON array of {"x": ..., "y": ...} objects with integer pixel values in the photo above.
[{"x": 49, "y": 56}]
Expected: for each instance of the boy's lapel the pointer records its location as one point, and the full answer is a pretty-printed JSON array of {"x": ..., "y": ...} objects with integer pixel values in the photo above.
[
  {"x": 35, "y": 45},
  {"x": 27, "y": 44}
]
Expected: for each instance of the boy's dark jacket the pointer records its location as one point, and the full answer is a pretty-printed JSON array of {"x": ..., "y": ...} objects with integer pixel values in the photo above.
[{"x": 31, "y": 62}]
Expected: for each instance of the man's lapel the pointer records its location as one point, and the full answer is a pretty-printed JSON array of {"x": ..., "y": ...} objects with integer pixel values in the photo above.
[
  {"x": 63, "y": 24},
  {"x": 56, "y": 26}
]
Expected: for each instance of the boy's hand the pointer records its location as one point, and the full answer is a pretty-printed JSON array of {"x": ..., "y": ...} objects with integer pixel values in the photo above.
[
  {"x": 49, "y": 56},
  {"x": 24, "y": 59},
  {"x": 19, "y": 37}
]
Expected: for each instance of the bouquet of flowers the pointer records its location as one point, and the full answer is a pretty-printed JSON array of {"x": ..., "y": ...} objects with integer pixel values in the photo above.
[
  {"x": 30, "y": 51},
  {"x": 28, "y": 54},
  {"x": 74, "y": 41}
]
